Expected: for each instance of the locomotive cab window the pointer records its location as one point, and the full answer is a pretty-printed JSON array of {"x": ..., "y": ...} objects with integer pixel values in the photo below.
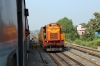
[{"x": 53, "y": 24}]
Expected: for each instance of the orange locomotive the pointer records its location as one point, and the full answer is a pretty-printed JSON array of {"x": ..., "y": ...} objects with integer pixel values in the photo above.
[{"x": 51, "y": 38}]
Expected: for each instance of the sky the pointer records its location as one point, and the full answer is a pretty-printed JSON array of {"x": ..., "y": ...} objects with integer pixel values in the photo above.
[{"x": 42, "y": 12}]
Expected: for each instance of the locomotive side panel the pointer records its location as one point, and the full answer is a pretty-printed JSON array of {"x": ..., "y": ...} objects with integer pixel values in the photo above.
[{"x": 41, "y": 36}]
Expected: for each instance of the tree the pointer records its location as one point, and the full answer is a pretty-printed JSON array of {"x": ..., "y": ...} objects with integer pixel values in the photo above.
[
  {"x": 94, "y": 23},
  {"x": 66, "y": 24},
  {"x": 68, "y": 28},
  {"x": 88, "y": 35},
  {"x": 84, "y": 25}
]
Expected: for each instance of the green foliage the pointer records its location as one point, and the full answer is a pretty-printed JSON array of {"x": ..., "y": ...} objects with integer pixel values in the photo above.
[
  {"x": 66, "y": 24},
  {"x": 97, "y": 42},
  {"x": 88, "y": 35},
  {"x": 88, "y": 38},
  {"x": 96, "y": 37},
  {"x": 77, "y": 41},
  {"x": 73, "y": 35},
  {"x": 68, "y": 28},
  {"x": 92, "y": 26},
  {"x": 94, "y": 23},
  {"x": 84, "y": 25},
  {"x": 92, "y": 44}
]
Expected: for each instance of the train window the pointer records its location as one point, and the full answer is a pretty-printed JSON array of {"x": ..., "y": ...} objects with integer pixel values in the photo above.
[
  {"x": 27, "y": 32},
  {"x": 26, "y": 12}
]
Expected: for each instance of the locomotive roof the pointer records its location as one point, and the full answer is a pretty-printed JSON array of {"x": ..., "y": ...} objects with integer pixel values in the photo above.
[{"x": 52, "y": 23}]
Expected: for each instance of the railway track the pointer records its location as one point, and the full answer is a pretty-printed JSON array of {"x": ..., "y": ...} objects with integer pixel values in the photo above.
[
  {"x": 86, "y": 50},
  {"x": 91, "y": 49},
  {"x": 64, "y": 60},
  {"x": 95, "y": 63},
  {"x": 44, "y": 62}
]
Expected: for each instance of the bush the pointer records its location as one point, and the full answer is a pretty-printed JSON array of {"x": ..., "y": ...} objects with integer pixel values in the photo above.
[
  {"x": 77, "y": 41},
  {"x": 83, "y": 43},
  {"x": 93, "y": 44},
  {"x": 68, "y": 40},
  {"x": 97, "y": 42},
  {"x": 88, "y": 35}
]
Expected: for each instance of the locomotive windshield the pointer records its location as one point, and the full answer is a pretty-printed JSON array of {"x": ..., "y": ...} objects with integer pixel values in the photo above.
[{"x": 53, "y": 24}]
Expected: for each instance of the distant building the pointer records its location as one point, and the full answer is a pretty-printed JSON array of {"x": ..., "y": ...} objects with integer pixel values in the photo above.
[
  {"x": 80, "y": 29},
  {"x": 97, "y": 34}
]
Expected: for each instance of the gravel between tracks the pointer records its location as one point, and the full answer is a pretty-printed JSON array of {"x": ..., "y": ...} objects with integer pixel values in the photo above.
[
  {"x": 68, "y": 60},
  {"x": 35, "y": 59},
  {"x": 90, "y": 57},
  {"x": 79, "y": 59}
]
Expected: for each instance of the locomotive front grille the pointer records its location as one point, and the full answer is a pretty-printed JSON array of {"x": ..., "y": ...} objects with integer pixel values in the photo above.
[{"x": 53, "y": 36}]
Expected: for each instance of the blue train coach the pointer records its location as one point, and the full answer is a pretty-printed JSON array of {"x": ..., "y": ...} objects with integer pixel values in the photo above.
[{"x": 14, "y": 30}]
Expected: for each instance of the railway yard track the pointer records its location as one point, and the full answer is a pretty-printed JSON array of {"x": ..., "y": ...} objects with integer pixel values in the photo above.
[
  {"x": 86, "y": 50},
  {"x": 69, "y": 57},
  {"x": 43, "y": 60},
  {"x": 96, "y": 64},
  {"x": 77, "y": 56},
  {"x": 64, "y": 60}
]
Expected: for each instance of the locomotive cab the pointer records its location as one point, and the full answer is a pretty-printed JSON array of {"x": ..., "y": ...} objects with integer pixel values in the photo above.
[
  {"x": 54, "y": 39},
  {"x": 51, "y": 37}
]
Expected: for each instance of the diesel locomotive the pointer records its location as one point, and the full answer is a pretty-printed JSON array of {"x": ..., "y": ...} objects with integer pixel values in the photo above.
[{"x": 51, "y": 37}]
